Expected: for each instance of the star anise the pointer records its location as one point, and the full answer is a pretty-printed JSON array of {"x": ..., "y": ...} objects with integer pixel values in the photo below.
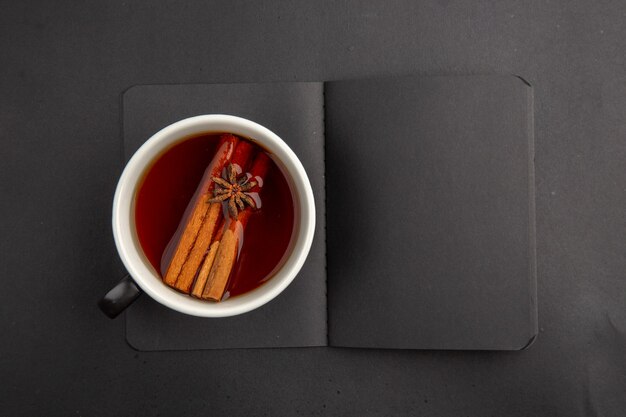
[{"x": 234, "y": 190}]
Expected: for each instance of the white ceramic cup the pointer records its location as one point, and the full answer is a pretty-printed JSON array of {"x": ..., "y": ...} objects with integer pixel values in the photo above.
[{"x": 131, "y": 253}]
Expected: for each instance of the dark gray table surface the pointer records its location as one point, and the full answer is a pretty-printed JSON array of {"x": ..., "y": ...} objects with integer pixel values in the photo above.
[{"x": 64, "y": 65}]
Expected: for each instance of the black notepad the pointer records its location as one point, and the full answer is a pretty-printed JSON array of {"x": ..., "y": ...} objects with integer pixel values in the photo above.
[{"x": 424, "y": 189}]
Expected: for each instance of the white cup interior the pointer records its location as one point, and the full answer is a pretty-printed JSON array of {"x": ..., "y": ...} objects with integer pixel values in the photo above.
[{"x": 125, "y": 234}]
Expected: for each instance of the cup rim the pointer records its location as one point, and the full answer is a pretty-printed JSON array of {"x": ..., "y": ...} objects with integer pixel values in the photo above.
[{"x": 132, "y": 255}]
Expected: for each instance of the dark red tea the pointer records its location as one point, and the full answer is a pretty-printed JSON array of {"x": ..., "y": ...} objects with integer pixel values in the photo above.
[{"x": 171, "y": 183}]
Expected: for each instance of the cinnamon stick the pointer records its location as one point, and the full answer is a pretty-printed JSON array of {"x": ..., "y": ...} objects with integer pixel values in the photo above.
[
  {"x": 229, "y": 245},
  {"x": 194, "y": 258},
  {"x": 200, "y": 209},
  {"x": 203, "y": 274},
  {"x": 201, "y": 245},
  {"x": 224, "y": 261}
]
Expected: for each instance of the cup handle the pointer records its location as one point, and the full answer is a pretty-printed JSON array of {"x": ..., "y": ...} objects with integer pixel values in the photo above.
[{"x": 120, "y": 297}]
